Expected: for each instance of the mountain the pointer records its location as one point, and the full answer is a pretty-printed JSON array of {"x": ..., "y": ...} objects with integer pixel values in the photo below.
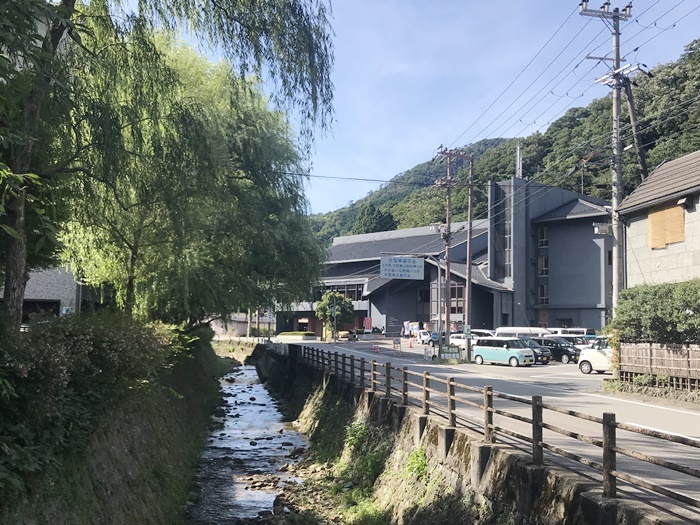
[{"x": 574, "y": 153}]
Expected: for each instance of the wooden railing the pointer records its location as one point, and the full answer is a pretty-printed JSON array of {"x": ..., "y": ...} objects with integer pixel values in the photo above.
[{"x": 448, "y": 399}]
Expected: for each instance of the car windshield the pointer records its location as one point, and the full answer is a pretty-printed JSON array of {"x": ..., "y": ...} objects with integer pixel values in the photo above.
[
  {"x": 531, "y": 343},
  {"x": 516, "y": 343}
]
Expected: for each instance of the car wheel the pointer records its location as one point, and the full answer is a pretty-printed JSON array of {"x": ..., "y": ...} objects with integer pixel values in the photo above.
[
  {"x": 585, "y": 367},
  {"x": 513, "y": 361},
  {"x": 565, "y": 358},
  {"x": 479, "y": 360}
]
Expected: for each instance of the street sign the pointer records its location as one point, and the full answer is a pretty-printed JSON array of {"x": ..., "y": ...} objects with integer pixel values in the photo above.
[
  {"x": 434, "y": 336},
  {"x": 467, "y": 330},
  {"x": 391, "y": 267}
]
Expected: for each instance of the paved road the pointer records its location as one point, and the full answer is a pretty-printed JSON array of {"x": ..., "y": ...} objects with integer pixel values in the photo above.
[{"x": 566, "y": 387}]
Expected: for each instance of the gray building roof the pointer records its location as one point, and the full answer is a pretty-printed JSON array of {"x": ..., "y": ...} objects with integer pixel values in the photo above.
[
  {"x": 574, "y": 209},
  {"x": 672, "y": 180},
  {"x": 371, "y": 246},
  {"x": 478, "y": 276}
]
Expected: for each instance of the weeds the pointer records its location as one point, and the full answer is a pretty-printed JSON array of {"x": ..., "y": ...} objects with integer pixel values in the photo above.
[{"x": 417, "y": 464}]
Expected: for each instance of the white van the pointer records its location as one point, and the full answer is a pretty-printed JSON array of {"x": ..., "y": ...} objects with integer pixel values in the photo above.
[
  {"x": 573, "y": 331},
  {"x": 521, "y": 331}
]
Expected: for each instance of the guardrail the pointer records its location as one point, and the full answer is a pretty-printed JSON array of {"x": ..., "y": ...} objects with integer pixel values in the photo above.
[{"x": 448, "y": 399}]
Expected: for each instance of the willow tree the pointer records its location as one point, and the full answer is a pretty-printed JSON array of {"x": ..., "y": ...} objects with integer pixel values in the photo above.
[
  {"x": 288, "y": 41},
  {"x": 205, "y": 212}
]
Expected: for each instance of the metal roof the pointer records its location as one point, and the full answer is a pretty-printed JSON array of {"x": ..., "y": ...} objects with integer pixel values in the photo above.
[
  {"x": 410, "y": 241},
  {"x": 574, "y": 209},
  {"x": 670, "y": 181}
]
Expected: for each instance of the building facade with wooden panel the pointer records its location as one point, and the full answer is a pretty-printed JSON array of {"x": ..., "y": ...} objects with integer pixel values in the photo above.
[{"x": 662, "y": 225}]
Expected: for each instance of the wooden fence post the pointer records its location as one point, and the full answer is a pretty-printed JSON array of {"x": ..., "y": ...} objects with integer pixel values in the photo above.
[
  {"x": 451, "y": 401},
  {"x": 537, "y": 432},
  {"x": 426, "y": 393},
  {"x": 404, "y": 386},
  {"x": 352, "y": 369},
  {"x": 343, "y": 366},
  {"x": 387, "y": 369},
  {"x": 609, "y": 455},
  {"x": 362, "y": 373},
  {"x": 335, "y": 363},
  {"x": 488, "y": 415},
  {"x": 373, "y": 376}
]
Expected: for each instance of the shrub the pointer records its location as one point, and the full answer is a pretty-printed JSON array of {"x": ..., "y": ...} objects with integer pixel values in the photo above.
[
  {"x": 56, "y": 380},
  {"x": 663, "y": 313}
]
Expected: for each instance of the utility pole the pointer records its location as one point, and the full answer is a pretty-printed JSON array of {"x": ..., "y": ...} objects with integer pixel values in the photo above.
[
  {"x": 614, "y": 16},
  {"x": 468, "y": 287},
  {"x": 448, "y": 183}
]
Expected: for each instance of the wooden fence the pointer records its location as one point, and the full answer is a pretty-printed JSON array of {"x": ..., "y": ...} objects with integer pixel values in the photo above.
[
  {"x": 448, "y": 399},
  {"x": 668, "y": 365}
]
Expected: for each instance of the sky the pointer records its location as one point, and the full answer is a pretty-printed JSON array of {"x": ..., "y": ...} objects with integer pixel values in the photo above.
[{"x": 412, "y": 75}]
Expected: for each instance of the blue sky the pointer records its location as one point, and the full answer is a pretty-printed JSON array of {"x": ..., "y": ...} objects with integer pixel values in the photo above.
[{"x": 411, "y": 75}]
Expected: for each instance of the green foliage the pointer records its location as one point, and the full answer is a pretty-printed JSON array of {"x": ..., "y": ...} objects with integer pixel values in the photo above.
[
  {"x": 356, "y": 434},
  {"x": 417, "y": 464},
  {"x": 370, "y": 220},
  {"x": 57, "y": 378},
  {"x": 334, "y": 309},
  {"x": 643, "y": 380},
  {"x": 209, "y": 215},
  {"x": 663, "y": 313}
]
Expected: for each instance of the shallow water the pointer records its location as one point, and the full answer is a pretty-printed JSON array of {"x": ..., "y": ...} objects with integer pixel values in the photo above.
[{"x": 253, "y": 442}]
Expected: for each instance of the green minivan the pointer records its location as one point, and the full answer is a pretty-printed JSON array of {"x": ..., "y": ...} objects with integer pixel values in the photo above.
[{"x": 505, "y": 350}]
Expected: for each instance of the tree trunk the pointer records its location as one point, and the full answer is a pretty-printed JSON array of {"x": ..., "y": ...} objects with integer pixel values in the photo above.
[
  {"x": 16, "y": 275},
  {"x": 130, "y": 299}
]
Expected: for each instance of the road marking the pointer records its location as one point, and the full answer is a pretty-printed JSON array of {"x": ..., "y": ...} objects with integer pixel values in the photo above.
[{"x": 665, "y": 431}]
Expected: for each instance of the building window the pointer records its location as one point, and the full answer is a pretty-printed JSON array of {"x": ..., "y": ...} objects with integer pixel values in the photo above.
[
  {"x": 542, "y": 239},
  {"x": 543, "y": 294},
  {"x": 609, "y": 257},
  {"x": 543, "y": 266},
  {"x": 666, "y": 226}
]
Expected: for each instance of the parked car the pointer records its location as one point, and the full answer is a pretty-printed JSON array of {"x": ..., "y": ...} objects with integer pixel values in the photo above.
[
  {"x": 480, "y": 332},
  {"x": 601, "y": 341},
  {"x": 598, "y": 359},
  {"x": 542, "y": 355},
  {"x": 579, "y": 341},
  {"x": 424, "y": 337},
  {"x": 459, "y": 340},
  {"x": 521, "y": 331},
  {"x": 504, "y": 350},
  {"x": 561, "y": 349}
]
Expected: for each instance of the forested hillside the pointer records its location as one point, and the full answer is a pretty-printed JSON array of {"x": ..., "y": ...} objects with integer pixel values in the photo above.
[{"x": 573, "y": 153}]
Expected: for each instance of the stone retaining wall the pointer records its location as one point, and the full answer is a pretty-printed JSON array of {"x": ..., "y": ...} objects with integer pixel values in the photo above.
[{"x": 467, "y": 480}]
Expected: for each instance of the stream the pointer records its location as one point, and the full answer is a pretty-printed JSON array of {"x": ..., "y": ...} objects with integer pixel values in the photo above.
[{"x": 239, "y": 471}]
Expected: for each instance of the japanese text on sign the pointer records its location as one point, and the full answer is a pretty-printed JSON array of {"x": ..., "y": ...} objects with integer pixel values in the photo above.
[{"x": 401, "y": 268}]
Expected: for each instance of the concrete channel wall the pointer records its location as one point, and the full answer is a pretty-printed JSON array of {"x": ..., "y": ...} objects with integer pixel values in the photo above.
[{"x": 467, "y": 480}]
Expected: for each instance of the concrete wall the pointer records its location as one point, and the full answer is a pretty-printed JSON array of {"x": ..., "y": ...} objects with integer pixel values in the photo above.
[
  {"x": 674, "y": 263},
  {"x": 579, "y": 274}
]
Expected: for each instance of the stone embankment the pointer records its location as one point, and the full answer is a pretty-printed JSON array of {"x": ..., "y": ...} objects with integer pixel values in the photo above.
[{"x": 431, "y": 473}]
